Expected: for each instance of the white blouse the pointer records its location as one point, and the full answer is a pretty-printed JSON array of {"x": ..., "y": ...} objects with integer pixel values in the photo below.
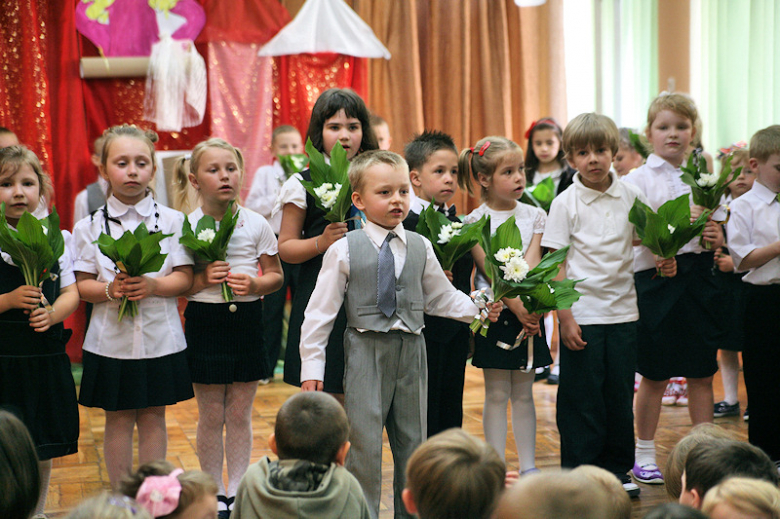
[
  {"x": 292, "y": 192},
  {"x": 252, "y": 237},
  {"x": 156, "y": 331}
]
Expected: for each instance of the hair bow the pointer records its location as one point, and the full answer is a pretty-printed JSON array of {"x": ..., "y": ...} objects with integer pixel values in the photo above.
[
  {"x": 724, "y": 152},
  {"x": 544, "y": 120},
  {"x": 160, "y": 494}
]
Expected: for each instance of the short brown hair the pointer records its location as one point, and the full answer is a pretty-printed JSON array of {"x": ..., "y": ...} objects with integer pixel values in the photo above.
[
  {"x": 14, "y": 157},
  {"x": 620, "y": 503},
  {"x": 285, "y": 128},
  {"x": 311, "y": 426},
  {"x": 675, "y": 462},
  {"x": 454, "y": 474},
  {"x": 361, "y": 163},
  {"x": 765, "y": 143},
  {"x": 680, "y": 104},
  {"x": 590, "y": 130}
]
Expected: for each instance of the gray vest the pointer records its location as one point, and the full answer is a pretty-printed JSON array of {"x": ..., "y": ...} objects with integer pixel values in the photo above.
[{"x": 360, "y": 299}]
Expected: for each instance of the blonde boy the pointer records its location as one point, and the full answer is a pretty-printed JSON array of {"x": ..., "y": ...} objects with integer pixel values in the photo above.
[
  {"x": 385, "y": 277},
  {"x": 596, "y": 391},
  {"x": 453, "y": 474},
  {"x": 433, "y": 171},
  {"x": 754, "y": 243}
]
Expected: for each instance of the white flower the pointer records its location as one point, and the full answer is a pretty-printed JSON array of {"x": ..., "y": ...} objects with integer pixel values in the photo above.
[
  {"x": 448, "y": 231},
  {"x": 515, "y": 269},
  {"x": 671, "y": 229},
  {"x": 328, "y": 194},
  {"x": 707, "y": 180},
  {"x": 552, "y": 290},
  {"x": 45, "y": 230},
  {"x": 207, "y": 235},
  {"x": 504, "y": 255}
]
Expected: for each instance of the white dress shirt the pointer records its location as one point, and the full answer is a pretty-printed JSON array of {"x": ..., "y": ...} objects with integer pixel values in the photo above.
[
  {"x": 440, "y": 297},
  {"x": 262, "y": 196},
  {"x": 754, "y": 223},
  {"x": 660, "y": 182},
  {"x": 156, "y": 331},
  {"x": 596, "y": 226},
  {"x": 252, "y": 237}
]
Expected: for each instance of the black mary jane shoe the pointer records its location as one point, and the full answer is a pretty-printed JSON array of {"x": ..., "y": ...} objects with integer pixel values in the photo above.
[{"x": 224, "y": 514}]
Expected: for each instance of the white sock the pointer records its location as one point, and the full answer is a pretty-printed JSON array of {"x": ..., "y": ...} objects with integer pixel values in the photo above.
[
  {"x": 556, "y": 369},
  {"x": 645, "y": 452}
]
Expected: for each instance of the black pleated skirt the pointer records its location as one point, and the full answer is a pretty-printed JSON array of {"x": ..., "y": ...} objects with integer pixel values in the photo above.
[
  {"x": 223, "y": 346},
  {"x": 488, "y": 355}
]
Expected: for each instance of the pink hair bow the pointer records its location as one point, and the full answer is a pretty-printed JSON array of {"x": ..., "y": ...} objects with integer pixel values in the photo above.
[
  {"x": 723, "y": 152},
  {"x": 160, "y": 494}
]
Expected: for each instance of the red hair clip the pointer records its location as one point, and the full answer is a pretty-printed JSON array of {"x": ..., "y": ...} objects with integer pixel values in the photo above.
[
  {"x": 544, "y": 120},
  {"x": 483, "y": 148}
]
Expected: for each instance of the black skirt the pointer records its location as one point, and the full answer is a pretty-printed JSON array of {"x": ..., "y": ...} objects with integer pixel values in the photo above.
[
  {"x": 223, "y": 346},
  {"x": 488, "y": 355},
  {"x": 682, "y": 320},
  {"x": 123, "y": 384},
  {"x": 37, "y": 386}
]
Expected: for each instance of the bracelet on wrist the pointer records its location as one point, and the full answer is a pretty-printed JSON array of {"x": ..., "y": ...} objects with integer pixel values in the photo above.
[
  {"x": 317, "y": 245},
  {"x": 108, "y": 292}
]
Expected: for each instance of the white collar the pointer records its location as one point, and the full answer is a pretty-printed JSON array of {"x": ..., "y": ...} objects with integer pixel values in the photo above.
[
  {"x": 377, "y": 234},
  {"x": 589, "y": 195},
  {"x": 763, "y": 193},
  {"x": 117, "y": 208},
  {"x": 656, "y": 162}
]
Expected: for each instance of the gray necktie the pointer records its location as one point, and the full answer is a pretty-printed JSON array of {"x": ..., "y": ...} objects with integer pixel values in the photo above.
[{"x": 385, "y": 278}]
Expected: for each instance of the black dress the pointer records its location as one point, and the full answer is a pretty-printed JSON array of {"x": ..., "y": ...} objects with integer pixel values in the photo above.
[{"x": 35, "y": 379}]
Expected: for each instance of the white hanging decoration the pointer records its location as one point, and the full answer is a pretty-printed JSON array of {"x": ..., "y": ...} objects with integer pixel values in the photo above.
[
  {"x": 326, "y": 26},
  {"x": 176, "y": 82}
]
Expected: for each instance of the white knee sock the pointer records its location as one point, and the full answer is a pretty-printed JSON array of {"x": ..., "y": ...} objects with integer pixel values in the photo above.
[{"x": 645, "y": 452}]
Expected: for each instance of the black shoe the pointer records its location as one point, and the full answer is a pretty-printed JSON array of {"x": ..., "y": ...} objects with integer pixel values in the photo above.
[
  {"x": 553, "y": 379},
  {"x": 631, "y": 488},
  {"x": 224, "y": 514},
  {"x": 543, "y": 374},
  {"x": 746, "y": 416},
  {"x": 722, "y": 409}
]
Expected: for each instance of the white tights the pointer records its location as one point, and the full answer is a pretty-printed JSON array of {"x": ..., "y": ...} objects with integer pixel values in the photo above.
[
  {"x": 227, "y": 407},
  {"x": 501, "y": 385},
  {"x": 44, "y": 468},
  {"x": 118, "y": 440}
]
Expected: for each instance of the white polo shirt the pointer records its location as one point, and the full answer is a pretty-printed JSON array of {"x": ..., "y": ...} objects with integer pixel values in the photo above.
[
  {"x": 754, "y": 223},
  {"x": 252, "y": 237},
  {"x": 596, "y": 226}
]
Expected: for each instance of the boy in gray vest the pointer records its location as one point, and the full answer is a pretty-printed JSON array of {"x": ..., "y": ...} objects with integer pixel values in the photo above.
[{"x": 386, "y": 277}]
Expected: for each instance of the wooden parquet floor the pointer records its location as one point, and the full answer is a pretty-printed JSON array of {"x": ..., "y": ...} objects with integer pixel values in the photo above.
[{"x": 81, "y": 475}]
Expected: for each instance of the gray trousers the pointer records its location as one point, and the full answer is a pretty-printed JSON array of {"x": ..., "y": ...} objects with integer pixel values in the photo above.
[{"x": 385, "y": 386}]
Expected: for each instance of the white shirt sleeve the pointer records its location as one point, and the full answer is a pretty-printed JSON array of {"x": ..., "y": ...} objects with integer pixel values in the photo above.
[
  {"x": 263, "y": 193},
  {"x": 323, "y": 307},
  {"x": 80, "y": 206},
  {"x": 557, "y": 231},
  {"x": 441, "y": 297},
  {"x": 292, "y": 192},
  {"x": 740, "y": 232}
]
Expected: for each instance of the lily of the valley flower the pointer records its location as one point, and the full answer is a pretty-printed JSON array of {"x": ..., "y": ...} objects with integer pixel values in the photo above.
[
  {"x": 328, "y": 194},
  {"x": 207, "y": 235},
  {"x": 671, "y": 229},
  {"x": 707, "y": 180}
]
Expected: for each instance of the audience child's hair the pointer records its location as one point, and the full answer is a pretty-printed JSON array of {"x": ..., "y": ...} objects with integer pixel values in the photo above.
[
  {"x": 590, "y": 130},
  {"x": 674, "y": 511},
  {"x": 425, "y": 144},
  {"x": 484, "y": 158},
  {"x": 545, "y": 123},
  {"x": 620, "y": 503},
  {"x": 765, "y": 143},
  {"x": 127, "y": 130},
  {"x": 311, "y": 426},
  {"x": 454, "y": 474},
  {"x": 361, "y": 163},
  {"x": 20, "y": 481},
  {"x": 98, "y": 145},
  {"x": 562, "y": 495},
  {"x": 678, "y": 103},
  {"x": 284, "y": 128},
  {"x": 109, "y": 505},
  {"x": 752, "y": 497},
  {"x": 187, "y": 164},
  {"x": 14, "y": 157},
  {"x": 194, "y": 484},
  {"x": 710, "y": 462},
  {"x": 675, "y": 463},
  {"x": 328, "y": 105}
]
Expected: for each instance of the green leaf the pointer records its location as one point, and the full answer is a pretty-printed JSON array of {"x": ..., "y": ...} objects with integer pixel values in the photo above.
[
  {"x": 293, "y": 163},
  {"x": 654, "y": 228},
  {"x": 543, "y": 192},
  {"x": 335, "y": 173},
  {"x": 34, "y": 251},
  {"x": 639, "y": 144}
]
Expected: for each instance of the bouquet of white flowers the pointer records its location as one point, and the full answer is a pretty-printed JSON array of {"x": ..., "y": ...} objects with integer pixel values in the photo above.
[
  {"x": 450, "y": 240},
  {"x": 329, "y": 183},
  {"x": 511, "y": 276}
]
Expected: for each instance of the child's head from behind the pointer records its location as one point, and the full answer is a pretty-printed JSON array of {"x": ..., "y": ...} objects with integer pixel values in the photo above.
[
  {"x": 216, "y": 170},
  {"x": 382, "y": 132},
  {"x": 627, "y": 157},
  {"x": 108, "y": 505},
  {"x": 22, "y": 181},
  {"x": 128, "y": 162},
  {"x": 7, "y": 138},
  {"x": 765, "y": 156},
  {"x": 620, "y": 503},
  {"x": 496, "y": 163},
  {"x": 674, "y": 511},
  {"x": 453, "y": 474},
  {"x": 742, "y": 498},
  {"x": 590, "y": 142},
  {"x": 712, "y": 461},
  {"x": 561, "y": 495},
  {"x": 311, "y": 426},
  {"x": 433, "y": 165},
  {"x": 188, "y": 494},
  {"x": 675, "y": 463},
  {"x": 670, "y": 126},
  {"x": 544, "y": 145},
  {"x": 19, "y": 477},
  {"x": 286, "y": 140},
  {"x": 340, "y": 115},
  {"x": 381, "y": 187}
]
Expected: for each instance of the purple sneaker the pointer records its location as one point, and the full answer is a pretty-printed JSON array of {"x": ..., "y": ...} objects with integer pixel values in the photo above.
[{"x": 648, "y": 474}]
